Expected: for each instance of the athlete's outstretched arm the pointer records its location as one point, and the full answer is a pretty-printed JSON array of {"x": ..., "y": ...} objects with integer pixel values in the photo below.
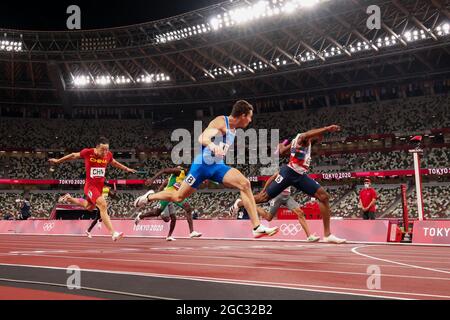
[
  {"x": 175, "y": 171},
  {"x": 284, "y": 150},
  {"x": 163, "y": 185},
  {"x": 118, "y": 165},
  {"x": 318, "y": 132},
  {"x": 72, "y": 156}
]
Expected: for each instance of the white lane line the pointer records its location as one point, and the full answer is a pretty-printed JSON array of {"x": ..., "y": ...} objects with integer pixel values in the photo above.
[
  {"x": 180, "y": 255},
  {"x": 71, "y": 257},
  {"x": 355, "y": 250},
  {"x": 280, "y": 285},
  {"x": 85, "y": 288}
]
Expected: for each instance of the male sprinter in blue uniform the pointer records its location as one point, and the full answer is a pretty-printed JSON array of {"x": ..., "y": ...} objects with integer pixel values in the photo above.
[
  {"x": 209, "y": 165},
  {"x": 295, "y": 174}
]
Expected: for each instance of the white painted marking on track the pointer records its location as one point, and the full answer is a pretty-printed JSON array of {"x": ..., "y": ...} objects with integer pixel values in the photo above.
[
  {"x": 37, "y": 251},
  {"x": 354, "y": 250},
  {"x": 301, "y": 260},
  {"x": 234, "y": 266},
  {"x": 322, "y": 289},
  {"x": 87, "y": 289}
]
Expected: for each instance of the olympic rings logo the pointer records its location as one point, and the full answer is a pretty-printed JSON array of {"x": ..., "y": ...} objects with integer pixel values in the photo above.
[
  {"x": 48, "y": 226},
  {"x": 290, "y": 229}
]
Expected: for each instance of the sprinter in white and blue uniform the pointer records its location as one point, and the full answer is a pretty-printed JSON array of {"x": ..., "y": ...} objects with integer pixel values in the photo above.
[
  {"x": 210, "y": 165},
  {"x": 295, "y": 174}
]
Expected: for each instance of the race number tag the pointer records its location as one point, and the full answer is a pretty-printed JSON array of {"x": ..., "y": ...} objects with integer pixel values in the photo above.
[
  {"x": 279, "y": 179},
  {"x": 98, "y": 172},
  {"x": 190, "y": 180},
  {"x": 224, "y": 147}
]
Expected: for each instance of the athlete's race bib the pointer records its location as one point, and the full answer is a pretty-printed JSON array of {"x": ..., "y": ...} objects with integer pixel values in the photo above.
[
  {"x": 279, "y": 179},
  {"x": 98, "y": 172},
  {"x": 224, "y": 147},
  {"x": 190, "y": 180}
]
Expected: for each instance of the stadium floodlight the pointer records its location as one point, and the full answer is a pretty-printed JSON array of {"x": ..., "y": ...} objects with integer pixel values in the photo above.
[
  {"x": 81, "y": 81},
  {"x": 102, "y": 80},
  {"x": 289, "y": 7},
  {"x": 240, "y": 15},
  {"x": 10, "y": 46},
  {"x": 214, "y": 23},
  {"x": 331, "y": 53},
  {"x": 308, "y": 3},
  {"x": 415, "y": 35},
  {"x": 446, "y": 27}
]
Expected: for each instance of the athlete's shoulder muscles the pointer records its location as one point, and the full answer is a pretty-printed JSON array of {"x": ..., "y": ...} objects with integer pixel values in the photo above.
[
  {"x": 218, "y": 123},
  {"x": 216, "y": 126},
  {"x": 84, "y": 153},
  {"x": 299, "y": 140}
]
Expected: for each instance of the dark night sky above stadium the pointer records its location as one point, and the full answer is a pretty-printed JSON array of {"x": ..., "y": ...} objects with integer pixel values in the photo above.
[{"x": 51, "y": 15}]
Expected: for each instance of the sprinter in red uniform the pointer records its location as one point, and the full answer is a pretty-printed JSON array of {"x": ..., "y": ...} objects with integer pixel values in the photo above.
[{"x": 96, "y": 160}]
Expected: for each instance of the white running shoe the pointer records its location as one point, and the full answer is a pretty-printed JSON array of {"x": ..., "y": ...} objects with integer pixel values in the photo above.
[
  {"x": 264, "y": 231},
  {"x": 313, "y": 238},
  {"x": 117, "y": 235},
  {"x": 170, "y": 239},
  {"x": 142, "y": 200},
  {"x": 138, "y": 218},
  {"x": 235, "y": 208},
  {"x": 89, "y": 235},
  {"x": 64, "y": 198},
  {"x": 195, "y": 234},
  {"x": 333, "y": 239}
]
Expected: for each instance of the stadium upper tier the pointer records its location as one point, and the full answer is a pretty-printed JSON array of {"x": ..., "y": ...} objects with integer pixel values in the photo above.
[
  {"x": 394, "y": 118},
  {"x": 245, "y": 49}
]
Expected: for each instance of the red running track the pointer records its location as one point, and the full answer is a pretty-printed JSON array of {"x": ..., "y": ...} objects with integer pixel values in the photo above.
[{"x": 406, "y": 271}]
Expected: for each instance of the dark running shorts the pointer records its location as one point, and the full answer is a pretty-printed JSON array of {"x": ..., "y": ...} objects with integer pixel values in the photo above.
[{"x": 287, "y": 178}]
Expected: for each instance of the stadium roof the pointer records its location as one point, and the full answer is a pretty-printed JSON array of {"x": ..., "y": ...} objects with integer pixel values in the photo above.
[{"x": 236, "y": 49}]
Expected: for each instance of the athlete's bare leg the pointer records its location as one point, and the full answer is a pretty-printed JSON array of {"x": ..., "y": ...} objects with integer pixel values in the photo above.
[
  {"x": 234, "y": 178},
  {"x": 299, "y": 212},
  {"x": 264, "y": 214},
  {"x": 260, "y": 197},
  {"x": 325, "y": 211},
  {"x": 188, "y": 213},
  {"x": 173, "y": 222},
  {"x": 152, "y": 213},
  {"x": 78, "y": 201},
  {"x": 93, "y": 224},
  {"x": 102, "y": 206},
  {"x": 302, "y": 221},
  {"x": 173, "y": 195}
]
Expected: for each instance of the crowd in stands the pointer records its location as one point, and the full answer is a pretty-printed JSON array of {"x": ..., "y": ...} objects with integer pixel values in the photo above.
[
  {"x": 348, "y": 207},
  {"x": 436, "y": 203},
  {"x": 431, "y": 158},
  {"x": 36, "y": 168},
  {"x": 385, "y": 117}
]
